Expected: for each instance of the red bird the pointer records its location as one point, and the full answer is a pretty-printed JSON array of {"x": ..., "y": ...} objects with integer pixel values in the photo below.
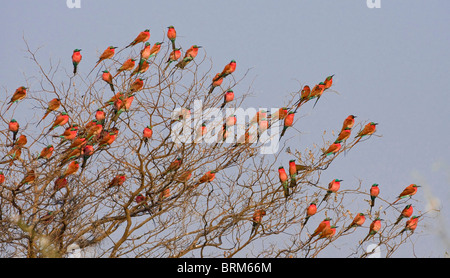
[
  {"x": 184, "y": 177},
  {"x": 207, "y": 177},
  {"x": 53, "y": 105},
  {"x": 333, "y": 148},
  {"x": 348, "y": 122},
  {"x": 107, "y": 77},
  {"x": 344, "y": 134},
  {"x": 288, "y": 122},
  {"x": 18, "y": 95},
  {"x": 147, "y": 133},
  {"x": 325, "y": 224},
  {"x": 369, "y": 129},
  {"x": 228, "y": 69},
  {"x": 217, "y": 81},
  {"x": 191, "y": 53},
  {"x": 128, "y": 65},
  {"x": 117, "y": 181},
  {"x": 14, "y": 128},
  {"x": 2, "y": 178},
  {"x": 155, "y": 49},
  {"x": 228, "y": 97},
  {"x": 358, "y": 221},
  {"x": 72, "y": 168},
  {"x": 142, "y": 37},
  {"x": 60, "y": 120},
  {"x": 333, "y": 187},
  {"x": 406, "y": 213},
  {"x": 107, "y": 54},
  {"x": 172, "y": 35},
  {"x": 284, "y": 180},
  {"x": 310, "y": 211},
  {"x": 411, "y": 224},
  {"x": 374, "y": 191},
  {"x": 409, "y": 191},
  {"x": 256, "y": 220},
  {"x": 137, "y": 85},
  {"x": 46, "y": 152},
  {"x": 76, "y": 59}
]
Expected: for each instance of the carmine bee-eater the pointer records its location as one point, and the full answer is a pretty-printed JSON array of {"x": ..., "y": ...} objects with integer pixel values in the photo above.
[
  {"x": 191, "y": 53},
  {"x": 328, "y": 82},
  {"x": 174, "y": 165},
  {"x": 14, "y": 128},
  {"x": 358, "y": 221},
  {"x": 107, "y": 77},
  {"x": 374, "y": 228},
  {"x": 325, "y": 224},
  {"x": 369, "y": 129},
  {"x": 207, "y": 177},
  {"x": 107, "y": 139},
  {"x": 288, "y": 122},
  {"x": 53, "y": 105},
  {"x": 228, "y": 97},
  {"x": 113, "y": 99},
  {"x": 411, "y": 224},
  {"x": 304, "y": 97},
  {"x": 60, "y": 183},
  {"x": 72, "y": 168},
  {"x": 61, "y": 119},
  {"x": 18, "y": 95},
  {"x": 155, "y": 49},
  {"x": 310, "y": 211},
  {"x": 216, "y": 81},
  {"x": 328, "y": 233},
  {"x": 21, "y": 141},
  {"x": 172, "y": 35},
  {"x": 317, "y": 92},
  {"x": 174, "y": 56},
  {"x": 142, "y": 37},
  {"x": 184, "y": 177},
  {"x": 46, "y": 152},
  {"x": 76, "y": 59},
  {"x": 142, "y": 67},
  {"x": 140, "y": 199},
  {"x": 100, "y": 116},
  {"x": 293, "y": 173},
  {"x": 117, "y": 181},
  {"x": 87, "y": 151},
  {"x": 256, "y": 220},
  {"x": 228, "y": 69},
  {"x": 374, "y": 191},
  {"x": 29, "y": 178},
  {"x": 69, "y": 134},
  {"x": 409, "y": 191},
  {"x": 145, "y": 52},
  {"x": 406, "y": 213},
  {"x": 147, "y": 133},
  {"x": 344, "y": 134},
  {"x": 128, "y": 65},
  {"x": 284, "y": 180},
  {"x": 333, "y": 148},
  {"x": 348, "y": 122},
  {"x": 333, "y": 187},
  {"x": 137, "y": 85},
  {"x": 163, "y": 195},
  {"x": 231, "y": 121},
  {"x": 107, "y": 54},
  {"x": 77, "y": 143}
]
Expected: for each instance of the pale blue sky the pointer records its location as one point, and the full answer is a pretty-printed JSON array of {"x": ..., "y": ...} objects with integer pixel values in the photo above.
[{"x": 391, "y": 66}]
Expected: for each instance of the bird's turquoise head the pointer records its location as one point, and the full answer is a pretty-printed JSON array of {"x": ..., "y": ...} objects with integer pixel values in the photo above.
[{"x": 375, "y": 185}]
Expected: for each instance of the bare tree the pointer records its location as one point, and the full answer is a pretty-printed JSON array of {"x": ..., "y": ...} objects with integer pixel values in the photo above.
[{"x": 136, "y": 194}]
